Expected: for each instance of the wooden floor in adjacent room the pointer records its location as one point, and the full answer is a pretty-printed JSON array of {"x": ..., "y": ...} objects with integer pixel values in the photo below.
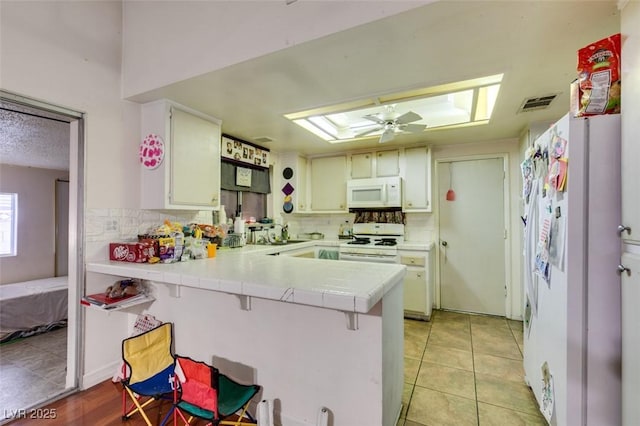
[{"x": 100, "y": 405}]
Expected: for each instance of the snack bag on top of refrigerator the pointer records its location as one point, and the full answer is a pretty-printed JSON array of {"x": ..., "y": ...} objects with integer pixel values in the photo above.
[{"x": 599, "y": 77}]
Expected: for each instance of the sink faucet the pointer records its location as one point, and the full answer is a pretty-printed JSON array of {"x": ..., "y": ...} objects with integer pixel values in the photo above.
[{"x": 284, "y": 233}]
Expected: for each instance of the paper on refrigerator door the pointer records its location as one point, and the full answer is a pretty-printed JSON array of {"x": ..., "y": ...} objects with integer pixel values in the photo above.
[
  {"x": 557, "y": 243},
  {"x": 543, "y": 268},
  {"x": 530, "y": 233},
  {"x": 548, "y": 393}
]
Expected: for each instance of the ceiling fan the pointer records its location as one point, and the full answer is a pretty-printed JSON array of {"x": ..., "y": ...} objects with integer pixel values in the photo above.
[{"x": 390, "y": 123}]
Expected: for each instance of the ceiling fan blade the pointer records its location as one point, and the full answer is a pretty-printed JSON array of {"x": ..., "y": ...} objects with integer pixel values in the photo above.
[
  {"x": 366, "y": 132},
  {"x": 374, "y": 118},
  {"x": 387, "y": 135},
  {"x": 408, "y": 117},
  {"x": 413, "y": 128}
]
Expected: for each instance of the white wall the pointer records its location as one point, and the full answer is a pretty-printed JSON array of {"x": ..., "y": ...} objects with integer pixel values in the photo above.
[
  {"x": 68, "y": 53},
  {"x": 36, "y": 222},
  {"x": 160, "y": 37},
  {"x": 509, "y": 147}
]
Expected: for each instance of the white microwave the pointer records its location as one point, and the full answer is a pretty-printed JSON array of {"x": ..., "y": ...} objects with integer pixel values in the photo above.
[{"x": 374, "y": 193}]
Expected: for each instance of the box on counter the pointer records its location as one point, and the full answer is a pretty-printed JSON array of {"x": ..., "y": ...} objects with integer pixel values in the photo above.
[{"x": 136, "y": 252}]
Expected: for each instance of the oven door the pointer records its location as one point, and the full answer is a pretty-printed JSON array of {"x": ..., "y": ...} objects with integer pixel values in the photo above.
[{"x": 375, "y": 258}]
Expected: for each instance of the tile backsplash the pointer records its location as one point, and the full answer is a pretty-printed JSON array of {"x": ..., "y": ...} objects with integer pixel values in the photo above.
[
  {"x": 419, "y": 226},
  {"x": 103, "y": 226}
]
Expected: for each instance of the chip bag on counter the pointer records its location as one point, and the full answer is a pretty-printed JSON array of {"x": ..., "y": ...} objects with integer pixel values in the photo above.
[
  {"x": 599, "y": 77},
  {"x": 167, "y": 248}
]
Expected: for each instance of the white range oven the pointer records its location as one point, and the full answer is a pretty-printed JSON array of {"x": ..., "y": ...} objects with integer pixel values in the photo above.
[
  {"x": 378, "y": 242},
  {"x": 373, "y": 242}
]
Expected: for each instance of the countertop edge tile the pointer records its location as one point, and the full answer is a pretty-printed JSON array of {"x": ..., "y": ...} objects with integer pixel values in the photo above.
[{"x": 235, "y": 272}]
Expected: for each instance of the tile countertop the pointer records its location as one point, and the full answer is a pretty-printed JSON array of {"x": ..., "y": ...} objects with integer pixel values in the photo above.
[
  {"x": 250, "y": 271},
  {"x": 418, "y": 246}
]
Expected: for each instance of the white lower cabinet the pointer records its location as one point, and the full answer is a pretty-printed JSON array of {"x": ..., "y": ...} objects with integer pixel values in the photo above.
[{"x": 418, "y": 283}]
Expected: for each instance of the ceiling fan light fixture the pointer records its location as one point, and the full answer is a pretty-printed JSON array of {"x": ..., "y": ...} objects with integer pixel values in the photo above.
[{"x": 451, "y": 105}]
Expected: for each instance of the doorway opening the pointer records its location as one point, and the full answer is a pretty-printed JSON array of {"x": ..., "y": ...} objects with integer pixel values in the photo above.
[
  {"x": 472, "y": 226},
  {"x": 42, "y": 149}
]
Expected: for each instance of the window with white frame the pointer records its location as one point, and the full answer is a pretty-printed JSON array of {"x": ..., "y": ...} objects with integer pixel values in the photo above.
[{"x": 8, "y": 223}]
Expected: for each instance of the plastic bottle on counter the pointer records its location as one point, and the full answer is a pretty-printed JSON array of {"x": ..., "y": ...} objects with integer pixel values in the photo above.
[
  {"x": 222, "y": 216},
  {"x": 345, "y": 229},
  {"x": 238, "y": 225}
]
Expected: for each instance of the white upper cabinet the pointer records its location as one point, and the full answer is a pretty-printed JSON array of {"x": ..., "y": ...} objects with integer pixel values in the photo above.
[
  {"x": 375, "y": 164},
  {"x": 361, "y": 165},
  {"x": 387, "y": 163},
  {"x": 188, "y": 178},
  {"x": 417, "y": 179},
  {"x": 329, "y": 183},
  {"x": 630, "y": 121}
]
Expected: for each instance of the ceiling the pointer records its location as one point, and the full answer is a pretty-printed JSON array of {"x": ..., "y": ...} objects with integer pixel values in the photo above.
[
  {"x": 533, "y": 43},
  {"x": 33, "y": 138}
]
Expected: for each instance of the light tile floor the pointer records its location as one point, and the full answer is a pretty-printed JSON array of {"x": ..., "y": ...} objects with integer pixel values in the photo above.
[
  {"x": 463, "y": 369},
  {"x": 32, "y": 369}
]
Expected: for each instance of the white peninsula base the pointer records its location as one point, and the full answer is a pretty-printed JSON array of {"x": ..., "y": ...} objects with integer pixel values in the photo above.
[
  {"x": 313, "y": 333},
  {"x": 304, "y": 357}
]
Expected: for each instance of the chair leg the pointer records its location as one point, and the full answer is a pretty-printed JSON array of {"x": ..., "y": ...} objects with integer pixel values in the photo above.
[
  {"x": 241, "y": 416},
  {"x": 139, "y": 407}
]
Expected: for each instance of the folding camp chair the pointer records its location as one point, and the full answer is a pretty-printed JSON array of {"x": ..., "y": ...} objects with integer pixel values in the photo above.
[
  {"x": 148, "y": 370},
  {"x": 206, "y": 394}
]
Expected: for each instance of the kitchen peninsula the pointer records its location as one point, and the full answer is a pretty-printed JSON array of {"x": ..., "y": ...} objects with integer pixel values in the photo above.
[{"x": 312, "y": 332}]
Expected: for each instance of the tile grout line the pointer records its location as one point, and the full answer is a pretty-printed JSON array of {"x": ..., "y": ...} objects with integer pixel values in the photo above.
[
  {"x": 473, "y": 363},
  {"x": 415, "y": 381},
  {"x": 515, "y": 340}
]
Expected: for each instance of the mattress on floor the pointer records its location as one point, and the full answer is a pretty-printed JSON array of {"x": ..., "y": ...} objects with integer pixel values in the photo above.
[{"x": 31, "y": 304}]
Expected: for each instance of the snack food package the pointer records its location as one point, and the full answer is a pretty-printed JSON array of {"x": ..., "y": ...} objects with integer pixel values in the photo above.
[
  {"x": 139, "y": 252},
  {"x": 167, "y": 247},
  {"x": 599, "y": 77}
]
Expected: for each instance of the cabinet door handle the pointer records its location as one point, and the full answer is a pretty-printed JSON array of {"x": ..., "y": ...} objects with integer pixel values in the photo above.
[
  {"x": 622, "y": 228},
  {"x": 621, "y": 269}
]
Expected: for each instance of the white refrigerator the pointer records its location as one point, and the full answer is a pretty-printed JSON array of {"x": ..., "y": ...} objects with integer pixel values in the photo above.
[{"x": 572, "y": 332}]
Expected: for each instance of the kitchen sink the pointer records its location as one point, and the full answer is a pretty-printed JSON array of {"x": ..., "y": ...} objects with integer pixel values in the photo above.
[{"x": 284, "y": 243}]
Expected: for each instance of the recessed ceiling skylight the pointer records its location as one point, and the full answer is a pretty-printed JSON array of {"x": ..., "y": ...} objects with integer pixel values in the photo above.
[{"x": 464, "y": 103}]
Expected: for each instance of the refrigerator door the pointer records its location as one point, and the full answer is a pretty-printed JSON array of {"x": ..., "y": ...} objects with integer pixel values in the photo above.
[
  {"x": 603, "y": 294},
  {"x": 575, "y": 321}
]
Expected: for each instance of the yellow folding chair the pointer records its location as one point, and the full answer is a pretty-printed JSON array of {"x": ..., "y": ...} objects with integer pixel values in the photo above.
[
  {"x": 148, "y": 370},
  {"x": 206, "y": 394}
]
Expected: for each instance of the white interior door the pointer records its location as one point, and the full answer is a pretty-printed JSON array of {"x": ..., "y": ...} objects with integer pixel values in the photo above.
[
  {"x": 62, "y": 227},
  {"x": 472, "y": 236}
]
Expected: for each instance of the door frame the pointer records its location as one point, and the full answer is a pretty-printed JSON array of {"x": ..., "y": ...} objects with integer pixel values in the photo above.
[
  {"x": 76, "y": 270},
  {"x": 506, "y": 217}
]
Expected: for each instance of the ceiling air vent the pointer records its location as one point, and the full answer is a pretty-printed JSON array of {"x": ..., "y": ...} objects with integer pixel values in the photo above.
[
  {"x": 542, "y": 102},
  {"x": 262, "y": 139}
]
